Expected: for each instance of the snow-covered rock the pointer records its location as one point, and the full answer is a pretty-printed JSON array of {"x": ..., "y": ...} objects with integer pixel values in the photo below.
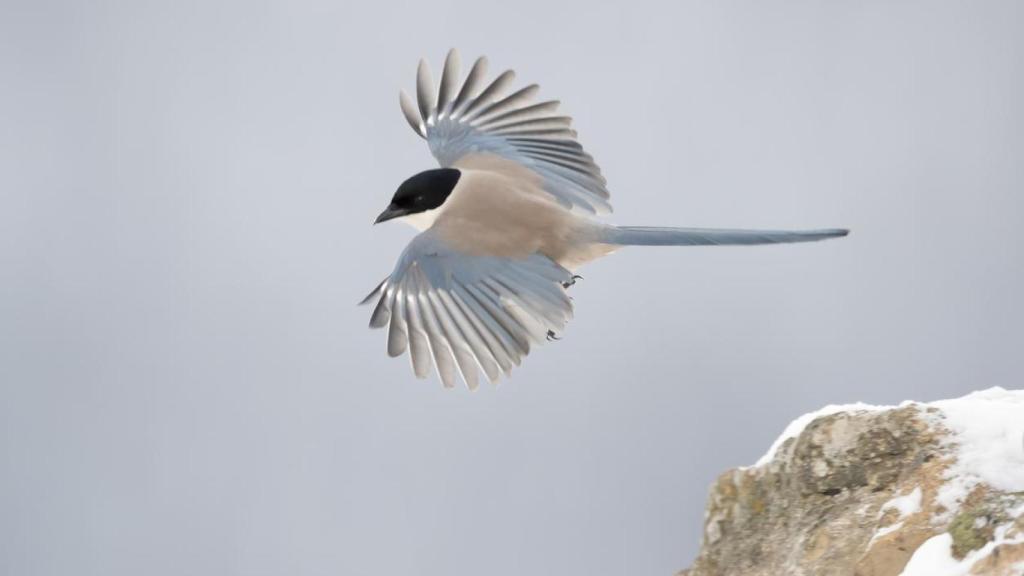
[{"x": 919, "y": 489}]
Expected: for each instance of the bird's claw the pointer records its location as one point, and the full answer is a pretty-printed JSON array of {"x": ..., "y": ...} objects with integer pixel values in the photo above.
[{"x": 571, "y": 281}]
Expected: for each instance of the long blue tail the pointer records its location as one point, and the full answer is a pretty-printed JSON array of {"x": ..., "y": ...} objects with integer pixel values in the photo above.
[{"x": 657, "y": 236}]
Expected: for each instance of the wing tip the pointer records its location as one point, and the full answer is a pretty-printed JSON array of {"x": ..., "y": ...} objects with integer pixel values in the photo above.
[
  {"x": 425, "y": 93},
  {"x": 411, "y": 114}
]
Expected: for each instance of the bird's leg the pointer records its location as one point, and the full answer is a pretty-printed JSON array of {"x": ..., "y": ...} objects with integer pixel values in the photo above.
[
  {"x": 552, "y": 336},
  {"x": 572, "y": 280}
]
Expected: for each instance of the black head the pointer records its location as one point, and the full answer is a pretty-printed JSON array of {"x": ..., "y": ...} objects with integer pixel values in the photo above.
[{"x": 424, "y": 191}]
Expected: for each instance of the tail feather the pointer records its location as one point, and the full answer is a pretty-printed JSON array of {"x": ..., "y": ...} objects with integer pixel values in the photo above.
[{"x": 657, "y": 236}]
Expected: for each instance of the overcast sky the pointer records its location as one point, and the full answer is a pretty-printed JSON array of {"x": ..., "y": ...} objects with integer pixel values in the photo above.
[{"x": 186, "y": 191}]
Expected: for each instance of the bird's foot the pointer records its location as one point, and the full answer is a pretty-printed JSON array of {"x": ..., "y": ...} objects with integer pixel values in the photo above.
[
  {"x": 572, "y": 280},
  {"x": 552, "y": 336}
]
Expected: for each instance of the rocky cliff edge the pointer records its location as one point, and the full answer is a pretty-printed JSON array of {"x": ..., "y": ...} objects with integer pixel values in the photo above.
[{"x": 919, "y": 489}]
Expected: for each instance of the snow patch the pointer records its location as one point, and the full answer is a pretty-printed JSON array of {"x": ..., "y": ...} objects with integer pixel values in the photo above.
[
  {"x": 935, "y": 556},
  {"x": 988, "y": 431},
  {"x": 905, "y": 505},
  {"x": 883, "y": 531}
]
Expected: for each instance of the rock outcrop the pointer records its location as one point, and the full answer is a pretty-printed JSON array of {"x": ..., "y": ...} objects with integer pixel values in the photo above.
[{"x": 918, "y": 489}]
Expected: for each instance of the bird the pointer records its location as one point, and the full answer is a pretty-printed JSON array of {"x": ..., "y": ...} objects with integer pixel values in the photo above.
[{"x": 504, "y": 224}]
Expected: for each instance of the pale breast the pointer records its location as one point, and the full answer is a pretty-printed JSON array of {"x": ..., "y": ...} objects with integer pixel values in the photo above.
[{"x": 498, "y": 208}]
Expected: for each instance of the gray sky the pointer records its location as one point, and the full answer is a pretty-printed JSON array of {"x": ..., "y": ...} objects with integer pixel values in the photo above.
[{"x": 185, "y": 205}]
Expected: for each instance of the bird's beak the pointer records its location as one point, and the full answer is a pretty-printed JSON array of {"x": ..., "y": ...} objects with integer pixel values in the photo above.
[{"x": 389, "y": 213}]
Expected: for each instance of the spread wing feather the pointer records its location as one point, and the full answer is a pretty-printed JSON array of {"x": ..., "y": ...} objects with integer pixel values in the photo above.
[
  {"x": 485, "y": 120},
  {"x": 465, "y": 314}
]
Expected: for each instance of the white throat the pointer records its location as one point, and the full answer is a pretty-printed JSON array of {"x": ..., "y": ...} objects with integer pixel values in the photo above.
[{"x": 422, "y": 220}]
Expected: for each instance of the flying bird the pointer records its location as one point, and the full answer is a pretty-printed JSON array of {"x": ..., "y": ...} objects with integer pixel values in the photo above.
[{"x": 505, "y": 222}]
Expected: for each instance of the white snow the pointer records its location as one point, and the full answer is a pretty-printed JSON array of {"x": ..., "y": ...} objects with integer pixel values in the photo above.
[
  {"x": 904, "y": 505},
  {"x": 935, "y": 556},
  {"x": 988, "y": 428},
  {"x": 883, "y": 531}
]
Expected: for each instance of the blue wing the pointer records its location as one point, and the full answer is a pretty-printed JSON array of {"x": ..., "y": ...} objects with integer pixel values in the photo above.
[
  {"x": 472, "y": 118},
  {"x": 464, "y": 313}
]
